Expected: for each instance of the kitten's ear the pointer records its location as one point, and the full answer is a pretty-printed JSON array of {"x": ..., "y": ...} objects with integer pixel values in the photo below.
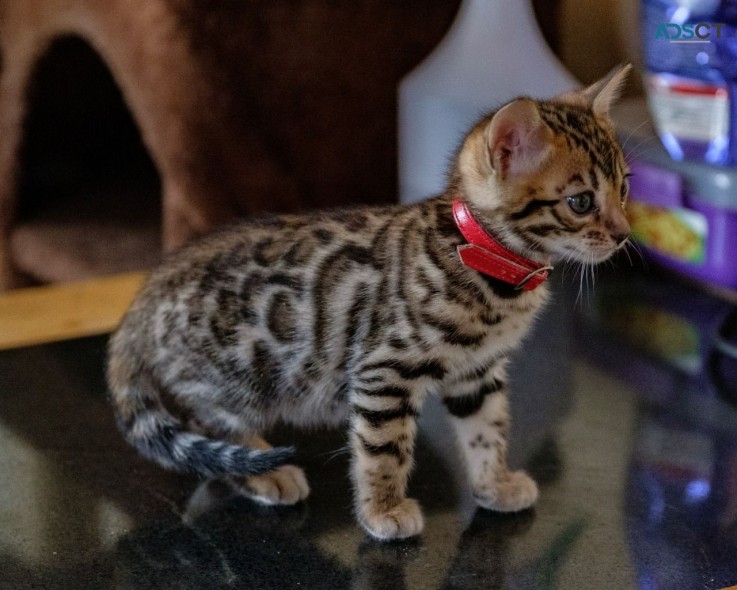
[
  {"x": 517, "y": 139},
  {"x": 601, "y": 95}
]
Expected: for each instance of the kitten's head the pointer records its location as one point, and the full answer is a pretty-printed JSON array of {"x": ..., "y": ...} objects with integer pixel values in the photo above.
[{"x": 549, "y": 177}]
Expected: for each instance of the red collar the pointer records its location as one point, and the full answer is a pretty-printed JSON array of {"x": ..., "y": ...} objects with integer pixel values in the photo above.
[{"x": 488, "y": 256}]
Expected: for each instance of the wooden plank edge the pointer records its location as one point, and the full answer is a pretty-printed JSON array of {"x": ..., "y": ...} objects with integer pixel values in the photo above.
[{"x": 61, "y": 312}]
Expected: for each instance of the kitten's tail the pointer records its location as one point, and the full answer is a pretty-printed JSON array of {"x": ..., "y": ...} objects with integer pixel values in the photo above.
[{"x": 159, "y": 436}]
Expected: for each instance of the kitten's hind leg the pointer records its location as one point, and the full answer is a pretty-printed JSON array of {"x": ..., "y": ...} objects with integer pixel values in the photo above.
[
  {"x": 286, "y": 485},
  {"x": 481, "y": 422}
]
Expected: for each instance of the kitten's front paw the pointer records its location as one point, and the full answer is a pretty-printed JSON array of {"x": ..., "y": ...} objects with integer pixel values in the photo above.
[
  {"x": 402, "y": 521},
  {"x": 286, "y": 485},
  {"x": 517, "y": 492}
]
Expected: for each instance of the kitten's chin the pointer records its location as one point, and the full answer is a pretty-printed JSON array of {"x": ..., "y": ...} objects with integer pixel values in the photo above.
[
  {"x": 588, "y": 256},
  {"x": 599, "y": 257}
]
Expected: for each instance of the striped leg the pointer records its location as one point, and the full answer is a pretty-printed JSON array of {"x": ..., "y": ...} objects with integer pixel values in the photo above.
[
  {"x": 382, "y": 437},
  {"x": 481, "y": 421}
]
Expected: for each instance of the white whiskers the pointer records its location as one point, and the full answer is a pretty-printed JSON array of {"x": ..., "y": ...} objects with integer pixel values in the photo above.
[{"x": 345, "y": 450}]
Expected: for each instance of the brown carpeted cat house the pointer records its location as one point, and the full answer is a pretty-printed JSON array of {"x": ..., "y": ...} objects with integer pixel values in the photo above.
[{"x": 127, "y": 126}]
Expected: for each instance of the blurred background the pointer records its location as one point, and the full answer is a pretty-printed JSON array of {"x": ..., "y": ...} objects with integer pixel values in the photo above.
[{"x": 126, "y": 129}]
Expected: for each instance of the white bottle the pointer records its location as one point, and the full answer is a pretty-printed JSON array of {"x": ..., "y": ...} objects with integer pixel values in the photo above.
[{"x": 493, "y": 52}]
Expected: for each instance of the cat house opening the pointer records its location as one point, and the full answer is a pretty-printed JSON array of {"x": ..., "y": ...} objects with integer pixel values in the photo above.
[{"x": 89, "y": 195}]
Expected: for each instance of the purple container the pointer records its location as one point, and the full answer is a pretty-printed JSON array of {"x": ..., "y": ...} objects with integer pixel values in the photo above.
[
  {"x": 691, "y": 77},
  {"x": 684, "y": 215}
]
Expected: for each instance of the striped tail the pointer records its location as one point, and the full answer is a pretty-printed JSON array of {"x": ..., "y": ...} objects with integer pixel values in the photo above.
[{"x": 157, "y": 435}]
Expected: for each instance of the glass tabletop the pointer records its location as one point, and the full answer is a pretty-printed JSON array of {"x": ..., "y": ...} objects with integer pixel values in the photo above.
[{"x": 622, "y": 411}]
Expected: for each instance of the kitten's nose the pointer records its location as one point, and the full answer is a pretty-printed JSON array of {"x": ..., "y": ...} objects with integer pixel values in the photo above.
[
  {"x": 619, "y": 229},
  {"x": 620, "y": 238}
]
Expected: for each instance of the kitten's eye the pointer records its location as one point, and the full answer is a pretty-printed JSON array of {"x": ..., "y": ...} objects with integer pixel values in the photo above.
[{"x": 581, "y": 203}]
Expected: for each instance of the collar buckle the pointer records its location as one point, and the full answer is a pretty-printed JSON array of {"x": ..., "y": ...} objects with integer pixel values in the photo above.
[{"x": 542, "y": 269}]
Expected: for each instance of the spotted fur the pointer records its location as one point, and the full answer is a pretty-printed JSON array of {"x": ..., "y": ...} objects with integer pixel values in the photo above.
[{"x": 356, "y": 316}]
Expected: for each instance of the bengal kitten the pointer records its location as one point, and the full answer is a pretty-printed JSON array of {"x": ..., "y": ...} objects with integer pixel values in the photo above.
[{"x": 355, "y": 316}]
